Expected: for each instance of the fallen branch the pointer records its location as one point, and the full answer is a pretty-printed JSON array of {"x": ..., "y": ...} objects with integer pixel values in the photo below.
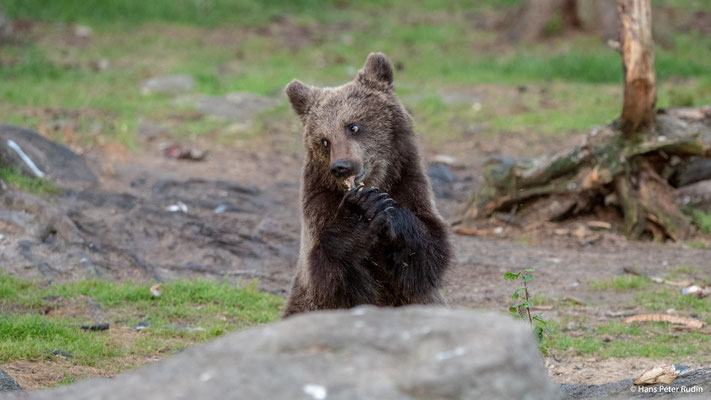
[
  {"x": 672, "y": 319},
  {"x": 472, "y": 232}
]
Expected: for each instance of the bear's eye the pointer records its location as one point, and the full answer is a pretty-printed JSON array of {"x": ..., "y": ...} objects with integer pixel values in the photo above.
[
  {"x": 325, "y": 143},
  {"x": 353, "y": 129}
]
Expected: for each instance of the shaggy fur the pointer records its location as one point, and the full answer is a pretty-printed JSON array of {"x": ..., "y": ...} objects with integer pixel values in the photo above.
[{"x": 382, "y": 242}]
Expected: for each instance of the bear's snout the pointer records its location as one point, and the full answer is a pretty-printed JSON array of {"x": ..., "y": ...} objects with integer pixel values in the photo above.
[{"x": 343, "y": 168}]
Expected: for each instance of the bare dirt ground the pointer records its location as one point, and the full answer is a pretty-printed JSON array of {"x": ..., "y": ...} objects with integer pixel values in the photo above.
[{"x": 242, "y": 222}]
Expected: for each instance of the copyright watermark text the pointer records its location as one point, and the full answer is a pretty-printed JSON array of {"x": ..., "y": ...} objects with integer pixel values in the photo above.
[{"x": 667, "y": 389}]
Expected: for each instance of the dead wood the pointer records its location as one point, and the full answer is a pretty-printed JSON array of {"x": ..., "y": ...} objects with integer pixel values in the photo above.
[
  {"x": 637, "y": 49},
  {"x": 672, "y": 319}
]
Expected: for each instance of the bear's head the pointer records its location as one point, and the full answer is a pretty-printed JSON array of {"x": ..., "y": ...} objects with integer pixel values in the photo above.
[{"x": 356, "y": 132}]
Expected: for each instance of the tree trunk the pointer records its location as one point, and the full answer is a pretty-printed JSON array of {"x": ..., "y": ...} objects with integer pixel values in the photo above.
[{"x": 637, "y": 48}]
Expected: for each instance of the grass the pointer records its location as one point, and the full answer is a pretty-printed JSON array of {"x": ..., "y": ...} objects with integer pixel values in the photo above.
[
  {"x": 652, "y": 340},
  {"x": 613, "y": 340},
  {"x": 621, "y": 283},
  {"x": 32, "y": 324},
  {"x": 666, "y": 298},
  {"x": 33, "y": 337},
  {"x": 235, "y": 45},
  {"x": 15, "y": 178}
]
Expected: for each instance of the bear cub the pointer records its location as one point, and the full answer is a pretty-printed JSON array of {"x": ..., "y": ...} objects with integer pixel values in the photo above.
[{"x": 370, "y": 232}]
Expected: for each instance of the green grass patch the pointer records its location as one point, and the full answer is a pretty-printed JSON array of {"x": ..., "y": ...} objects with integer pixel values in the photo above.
[
  {"x": 621, "y": 283},
  {"x": 33, "y": 337},
  {"x": 614, "y": 339},
  {"x": 14, "y": 177},
  {"x": 665, "y": 298},
  {"x": 186, "y": 312}
]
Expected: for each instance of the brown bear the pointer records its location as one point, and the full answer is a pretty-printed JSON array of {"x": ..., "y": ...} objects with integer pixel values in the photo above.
[{"x": 370, "y": 232}]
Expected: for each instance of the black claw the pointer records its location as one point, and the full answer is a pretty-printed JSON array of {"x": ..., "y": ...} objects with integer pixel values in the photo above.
[{"x": 382, "y": 203}]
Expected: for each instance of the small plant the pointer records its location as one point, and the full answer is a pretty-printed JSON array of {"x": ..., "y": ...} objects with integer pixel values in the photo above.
[
  {"x": 701, "y": 219},
  {"x": 522, "y": 306}
]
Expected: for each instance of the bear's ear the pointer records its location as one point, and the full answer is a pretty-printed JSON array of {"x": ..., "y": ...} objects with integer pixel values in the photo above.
[
  {"x": 377, "y": 68},
  {"x": 301, "y": 96}
]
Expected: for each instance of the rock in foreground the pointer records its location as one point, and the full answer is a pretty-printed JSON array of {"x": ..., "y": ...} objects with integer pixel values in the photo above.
[
  {"x": 7, "y": 384},
  {"x": 365, "y": 353}
]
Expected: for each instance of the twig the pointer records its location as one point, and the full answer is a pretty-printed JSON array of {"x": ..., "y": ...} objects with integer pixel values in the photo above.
[{"x": 528, "y": 309}]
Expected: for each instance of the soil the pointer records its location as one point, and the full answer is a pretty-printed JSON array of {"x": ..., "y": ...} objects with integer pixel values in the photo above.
[{"x": 242, "y": 222}]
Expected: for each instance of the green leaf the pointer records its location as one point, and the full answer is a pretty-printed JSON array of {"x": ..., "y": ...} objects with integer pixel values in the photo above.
[
  {"x": 514, "y": 312},
  {"x": 540, "y": 322},
  {"x": 543, "y": 348},
  {"x": 516, "y": 295},
  {"x": 527, "y": 278},
  {"x": 510, "y": 276},
  {"x": 526, "y": 304},
  {"x": 529, "y": 270}
]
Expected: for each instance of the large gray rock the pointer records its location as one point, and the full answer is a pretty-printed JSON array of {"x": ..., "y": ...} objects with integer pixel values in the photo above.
[
  {"x": 238, "y": 106},
  {"x": 696, "y": 195},
  {"x": 168, "y": 84},
  {"x": 7, "y": 384},
  {"x": 365, "y": 353},
  {"x": 37, "y": 156}
]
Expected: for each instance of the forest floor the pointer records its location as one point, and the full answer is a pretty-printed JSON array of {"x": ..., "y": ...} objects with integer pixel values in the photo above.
[{"x": 241, "y": 215}]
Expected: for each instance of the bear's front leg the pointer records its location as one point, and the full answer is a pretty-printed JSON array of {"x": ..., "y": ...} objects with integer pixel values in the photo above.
[
  {"x": 336, "y": 260},
  {"x": 418, "y": 251}
]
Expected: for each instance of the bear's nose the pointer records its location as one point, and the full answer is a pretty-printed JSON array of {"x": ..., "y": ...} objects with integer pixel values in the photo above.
[{"x": 342, "y": 168}]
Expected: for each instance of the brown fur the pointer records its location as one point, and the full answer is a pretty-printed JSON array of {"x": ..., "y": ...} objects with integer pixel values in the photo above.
[{"x": 386, "y": 246}]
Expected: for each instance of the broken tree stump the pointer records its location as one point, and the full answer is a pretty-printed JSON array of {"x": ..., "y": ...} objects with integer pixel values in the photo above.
[{"x": 606, "y": 170}]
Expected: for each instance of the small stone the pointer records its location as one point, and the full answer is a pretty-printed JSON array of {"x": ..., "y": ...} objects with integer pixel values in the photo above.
[
  {"x": 61, "y": 353},
  {"x": 101, "y": 64},
  {"x": 83, "y": 31},
  {"x": 168, "y": 84},
  {"x": 177, "y": 207},
  {"x": 444, "y": 159},
  {"x": 96, "y": 327},
  {"x": 141, "y": 326}
]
